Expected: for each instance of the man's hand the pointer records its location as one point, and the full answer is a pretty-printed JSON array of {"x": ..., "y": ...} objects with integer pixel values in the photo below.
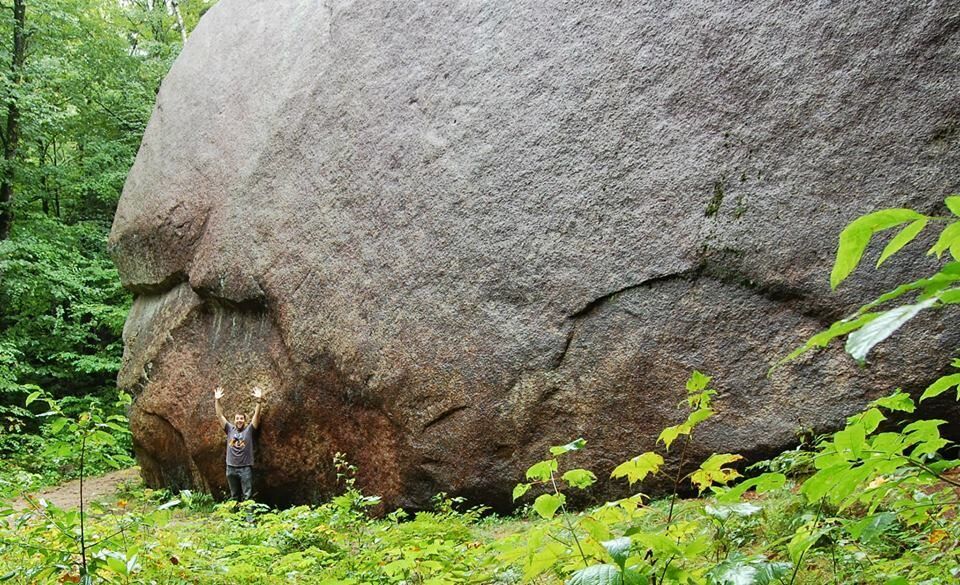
[
  {"x": 258, "y": 395},
  {"x": 217, "y": 395}
]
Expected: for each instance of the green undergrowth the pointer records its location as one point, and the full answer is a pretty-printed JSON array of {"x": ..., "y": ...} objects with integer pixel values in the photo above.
[{"x": 861, "y": 506}]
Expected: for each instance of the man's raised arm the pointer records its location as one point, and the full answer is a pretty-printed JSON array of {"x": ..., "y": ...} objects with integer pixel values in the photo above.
[
  {"x": 217, "y": 395},
  {"x": 258, "y": 395}
]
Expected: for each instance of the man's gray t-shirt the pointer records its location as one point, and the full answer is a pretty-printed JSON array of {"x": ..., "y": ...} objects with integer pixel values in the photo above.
[{"x": 239, "y": 445}]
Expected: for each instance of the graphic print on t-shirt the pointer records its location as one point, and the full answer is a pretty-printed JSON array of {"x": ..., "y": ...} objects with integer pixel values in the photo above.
[{"x": 237, "y": 442}]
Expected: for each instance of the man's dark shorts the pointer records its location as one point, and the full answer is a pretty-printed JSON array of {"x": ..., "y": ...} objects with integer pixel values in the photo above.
[{"x": 240, "y": 480}]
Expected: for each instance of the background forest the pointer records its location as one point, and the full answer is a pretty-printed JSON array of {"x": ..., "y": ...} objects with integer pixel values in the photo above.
[{"x": 78, "y": 85}]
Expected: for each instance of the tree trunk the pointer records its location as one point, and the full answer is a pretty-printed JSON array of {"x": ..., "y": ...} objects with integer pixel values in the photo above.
[
  {"x": 173, "y": 8},
  {"x": 11, "y": 136}
]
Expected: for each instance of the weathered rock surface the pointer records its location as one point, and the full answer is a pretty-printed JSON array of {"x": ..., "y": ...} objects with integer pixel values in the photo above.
[{"x": 449, "y": 234}]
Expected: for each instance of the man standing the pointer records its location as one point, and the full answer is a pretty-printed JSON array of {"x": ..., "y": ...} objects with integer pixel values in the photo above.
[{"x": 240, "y": 439}]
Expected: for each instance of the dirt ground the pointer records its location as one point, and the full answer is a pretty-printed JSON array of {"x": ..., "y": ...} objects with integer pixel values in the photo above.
[{"x": 94, "y": 488}]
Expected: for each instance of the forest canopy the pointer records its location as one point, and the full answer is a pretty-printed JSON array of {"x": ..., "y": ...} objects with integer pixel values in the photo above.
[{"x": 78, "y": 83}]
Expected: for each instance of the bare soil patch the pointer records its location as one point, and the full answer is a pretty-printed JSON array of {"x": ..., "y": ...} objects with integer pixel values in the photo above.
[{"x": 94, "y": 488}]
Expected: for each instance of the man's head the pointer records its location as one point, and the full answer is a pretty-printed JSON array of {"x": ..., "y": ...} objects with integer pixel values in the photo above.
[{"x": 239, "y": 421}]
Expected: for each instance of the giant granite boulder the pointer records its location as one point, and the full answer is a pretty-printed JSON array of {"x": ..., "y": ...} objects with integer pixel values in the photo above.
[{"x": 447, "y": 235}]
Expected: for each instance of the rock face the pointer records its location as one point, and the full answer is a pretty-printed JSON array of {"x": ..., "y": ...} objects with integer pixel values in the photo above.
[{"x": 449, "y": 234}]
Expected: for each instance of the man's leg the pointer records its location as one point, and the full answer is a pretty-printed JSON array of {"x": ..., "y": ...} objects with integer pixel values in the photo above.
[
  {"x": 246, "y": 480},
  {"x": 234, "y": 481}
]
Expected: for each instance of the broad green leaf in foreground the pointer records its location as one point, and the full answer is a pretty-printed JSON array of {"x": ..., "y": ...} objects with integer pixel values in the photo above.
[
  {"x": 547, "y": 504},
  {"x": 942, "y": 385},
  {"x": 723, "y": 512},
  {"x": 851, "y": 441},
  {"x": 948, "y": 236},
  {"x": 639, "y": 467},
  {"x": 670, "y": 434},
  {"x": 860, "y": 342},
  {"x": 869, "y": 528},
  {"x": 597, "y": 575},
  {"x": 619, "y": 549},
  {"x": 821, "y": 339},
  {"x": 953, "y": 204},
  {"x": 899, "y": 401},
  {"x": 579, "y": 478},
  {"x": 520, "y": 489},
  {"x": 740, "y": 570},
  {"x": 571, "y": 446},
  {"x": 542, "y": 470},
  {"x": 856, "y": 236},
  {"x": 712, "y": 471},
  {"x": 697, "y": 381},
  {"x": 903, "y": 238},
  {"x": 804, "y": 538}
]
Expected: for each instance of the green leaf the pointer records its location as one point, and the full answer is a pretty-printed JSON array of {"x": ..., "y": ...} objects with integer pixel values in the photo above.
[
  {"x": 903, "y": 238},
  {"x": 940, "y": 386},
  {"x": 712, "y": 471},
  {"x": 946, "y": 239},
  {"x": 698, "y": 416},
  {"x": 597, "y": 575},
  {"x": 542, "y": 470},
  {"x": 953, "y": 204},
  {"x": 947, "y": 275},
  {"x": 579, "y": 478},
  {"x": 618, "y": 549},
  {"x": 955, "y": 249},
  {"x": 168, "y": 505},
  {"x": 951, "y": 296},
  {"x": 117, "y": 566},
  {"x": 670, "y": 434},
  {"x": 738, "y": 570},
  {"x": 633, "y": 577},
  {"x": 762, "y": 483},
  {"x": 898, "y": 401},
  {"x": 571, "y": 446},
  {"x": 638, "y": 467},
  {"x": 742, "y": 509},
  {"x": 57, "y": 425},
  {"x": 856, "y": 236},
  {"x": 860, "y": 342},
  {"x": 547, "y": 504},
  {"x": 31, "y": 397},
  {"x": 595, "y": 528},
  {"x": 132, "y": 564},
  {"x": 926, "y": 435},
  {"x": 851, "y": 439},
  {"x": 868, "y": 529},
  {"x": 520, "y": 489},
  {"x": 820, "y": 483},
  {"x": 697, "y": 382},
  {"x": 658, "y": 542},
  {"x": 103, "y": 438},
  {"x": 871, "y": 419},
  {"x": 804, "y": 538},
  {"x": 824, "y": 337}
]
